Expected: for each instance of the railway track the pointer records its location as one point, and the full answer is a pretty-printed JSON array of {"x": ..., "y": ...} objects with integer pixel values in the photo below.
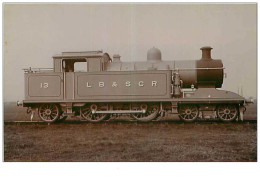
[{"x": 127, "y": 122}]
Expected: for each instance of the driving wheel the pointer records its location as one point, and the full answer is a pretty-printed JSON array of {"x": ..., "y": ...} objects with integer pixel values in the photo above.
[{"x": 151, "y": 112}]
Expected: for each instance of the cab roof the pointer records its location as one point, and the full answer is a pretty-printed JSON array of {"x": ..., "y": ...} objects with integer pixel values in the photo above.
[{"x": 81, "y": 54}]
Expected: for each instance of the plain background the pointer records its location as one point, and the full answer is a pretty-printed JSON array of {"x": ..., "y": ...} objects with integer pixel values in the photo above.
[{"x": 34, "y": 33}]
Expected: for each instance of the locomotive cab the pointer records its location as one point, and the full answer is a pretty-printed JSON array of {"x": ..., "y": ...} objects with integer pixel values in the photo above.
[{"x": 87, "y": 61}]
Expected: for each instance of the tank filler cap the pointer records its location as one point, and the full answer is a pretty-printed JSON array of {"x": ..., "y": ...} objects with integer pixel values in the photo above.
[{"x": 154, "y": 54}]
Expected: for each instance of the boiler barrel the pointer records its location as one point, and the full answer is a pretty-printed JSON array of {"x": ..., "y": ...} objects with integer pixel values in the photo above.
[{"x": 205, "y": 72}]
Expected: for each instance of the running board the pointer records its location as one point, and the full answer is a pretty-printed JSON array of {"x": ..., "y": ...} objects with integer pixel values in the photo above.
[{"x": 119, "y": 112}]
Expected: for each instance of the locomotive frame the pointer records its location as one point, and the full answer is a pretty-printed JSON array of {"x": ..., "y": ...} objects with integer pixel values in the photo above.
[{"x": 145, "y": 90}]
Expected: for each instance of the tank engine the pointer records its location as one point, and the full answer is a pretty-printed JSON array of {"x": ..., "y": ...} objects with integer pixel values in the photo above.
[{"x": 145, "y": 90}]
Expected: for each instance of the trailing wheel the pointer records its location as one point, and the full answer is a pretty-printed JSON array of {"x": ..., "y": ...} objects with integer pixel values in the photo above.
[
  {"x": 49, "y": 112},
  {"x": 227, "y": 112},
  {"x": 188, "y": 113},
  {"x": 88, "y": 112},
  {"x": 151, "y": 112}
]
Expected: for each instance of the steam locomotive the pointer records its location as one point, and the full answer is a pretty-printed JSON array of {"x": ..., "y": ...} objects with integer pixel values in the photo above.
[{"x": 93, "y": 86}]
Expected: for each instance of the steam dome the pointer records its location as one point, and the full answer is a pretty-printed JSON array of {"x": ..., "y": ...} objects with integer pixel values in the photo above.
[{"x": 154, "y": 54}]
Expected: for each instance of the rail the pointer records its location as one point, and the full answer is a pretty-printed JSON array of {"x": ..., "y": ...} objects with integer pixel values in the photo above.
[{"x": 36, "y": 70}]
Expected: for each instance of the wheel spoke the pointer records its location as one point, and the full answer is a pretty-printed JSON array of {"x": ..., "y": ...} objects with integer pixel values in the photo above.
[
  {"x": 194, "y": 114},
  {"x": 228, "y": 117},
  {"x": 232, "y": 113}
]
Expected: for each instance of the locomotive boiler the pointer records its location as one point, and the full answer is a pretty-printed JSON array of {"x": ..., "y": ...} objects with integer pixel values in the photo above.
[{"x": 93, "y": 86}]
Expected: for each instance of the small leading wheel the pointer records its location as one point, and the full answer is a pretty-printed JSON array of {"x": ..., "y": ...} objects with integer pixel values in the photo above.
[
  {"x": 86, "y": 112},
  {"x": 151, "y": 113},
  {"x": 227, "y": 112},
  {"x": 188, "y": 113},
  {"x": 49, "y": 112}
]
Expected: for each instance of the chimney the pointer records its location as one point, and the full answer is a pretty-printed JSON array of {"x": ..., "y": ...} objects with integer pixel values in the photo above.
[
  {"x": 206, "y": 53},
  {"x": 116, "y": 58}
]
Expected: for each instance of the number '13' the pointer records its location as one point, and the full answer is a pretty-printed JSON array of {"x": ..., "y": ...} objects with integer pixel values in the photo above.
[{"x": 44, "y": 85}]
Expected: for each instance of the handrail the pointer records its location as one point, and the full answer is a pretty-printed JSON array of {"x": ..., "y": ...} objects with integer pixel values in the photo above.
[
  {"x": 175, "y": 69},
  {"x": 34, "y": 70},
  {"x": 197, "y": 68}
]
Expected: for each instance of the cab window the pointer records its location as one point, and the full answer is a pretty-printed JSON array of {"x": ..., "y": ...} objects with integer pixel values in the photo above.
[{"x": 71, "y": 65}]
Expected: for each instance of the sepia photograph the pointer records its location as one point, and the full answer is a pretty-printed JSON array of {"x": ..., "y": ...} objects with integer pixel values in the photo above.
[{"x": 129, "y": 82}]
